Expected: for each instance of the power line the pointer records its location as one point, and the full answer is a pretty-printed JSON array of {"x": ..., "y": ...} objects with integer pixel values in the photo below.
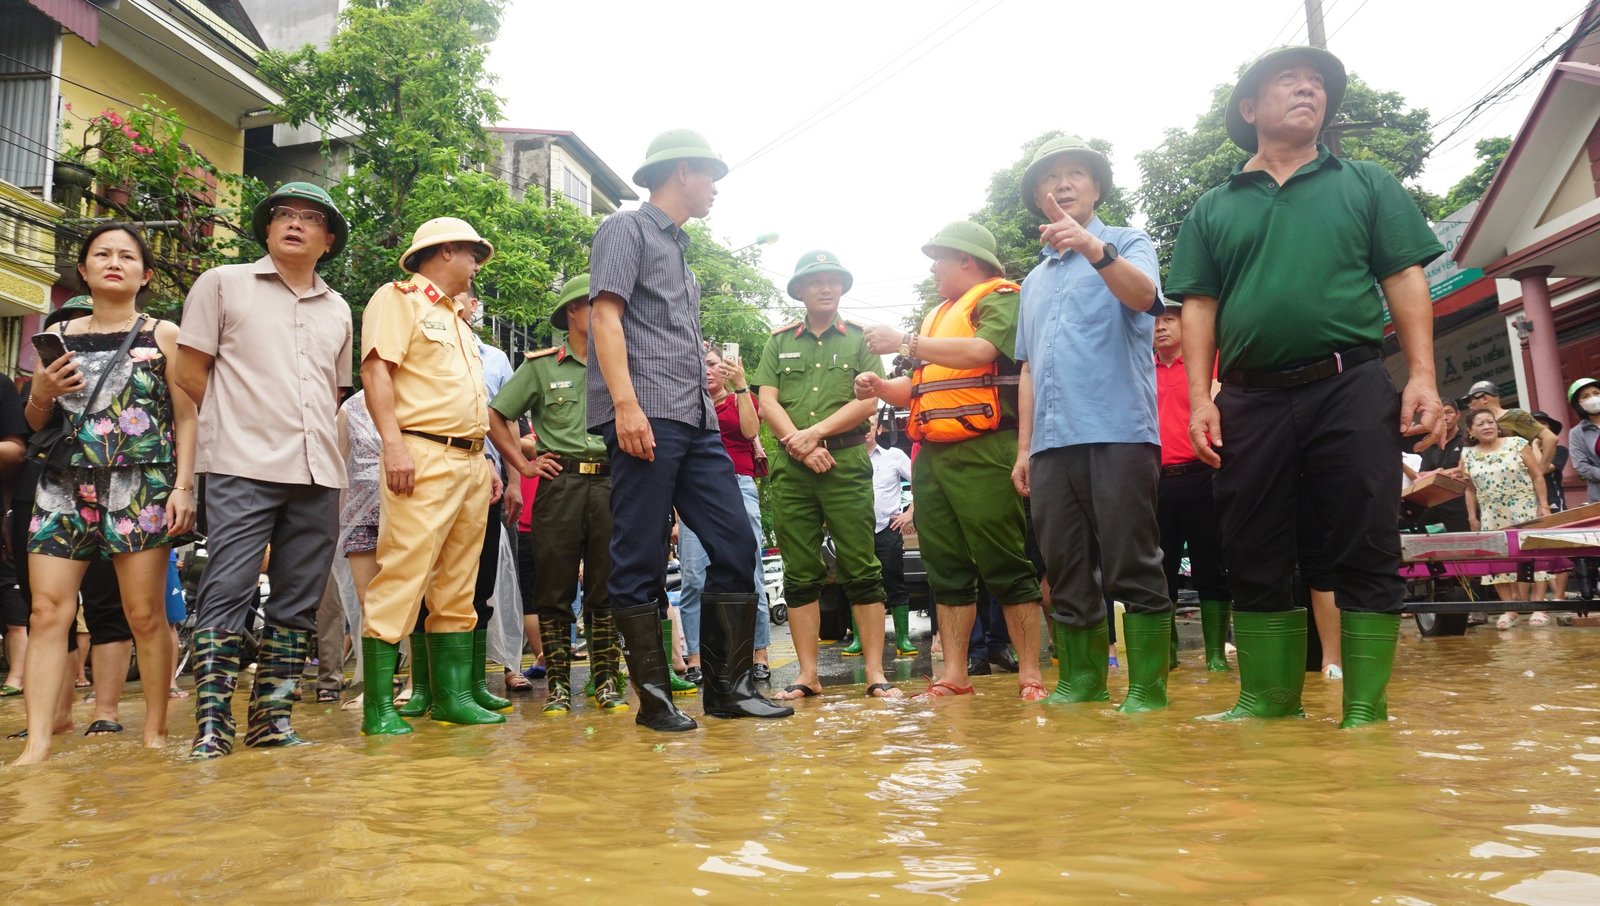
[{"x": 1335, "y": 33}]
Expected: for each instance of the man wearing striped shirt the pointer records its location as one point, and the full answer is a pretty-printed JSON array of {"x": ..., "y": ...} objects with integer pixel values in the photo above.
[{"x": 647, "y": 399}]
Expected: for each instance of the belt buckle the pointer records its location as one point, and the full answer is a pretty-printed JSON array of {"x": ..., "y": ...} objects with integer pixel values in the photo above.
[
  {"x": 588, "y": 468},
  {"x": 475, "y": 448}
]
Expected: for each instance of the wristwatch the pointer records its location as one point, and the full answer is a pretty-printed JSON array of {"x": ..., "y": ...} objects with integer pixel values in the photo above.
[
  {"x": 1110, "y": 256},
  {"x": 905, "y": 343}
]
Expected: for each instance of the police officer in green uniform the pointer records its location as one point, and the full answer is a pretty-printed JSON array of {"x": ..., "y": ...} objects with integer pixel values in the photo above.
[
  {"x": 806, "y": 378},
  {"x": 571, "y": 519}
]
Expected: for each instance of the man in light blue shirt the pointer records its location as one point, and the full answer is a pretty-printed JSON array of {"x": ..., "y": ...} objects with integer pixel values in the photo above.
[{"x": 1087, "y": 440}]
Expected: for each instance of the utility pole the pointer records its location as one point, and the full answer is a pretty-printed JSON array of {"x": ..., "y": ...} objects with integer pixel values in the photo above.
[{"x": 1316, "y": 33}]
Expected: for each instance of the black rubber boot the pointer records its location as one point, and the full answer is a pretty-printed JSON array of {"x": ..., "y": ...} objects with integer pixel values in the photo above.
[
  {"x": 647, "y": 665},
  {"x": 727, "y": 650}
]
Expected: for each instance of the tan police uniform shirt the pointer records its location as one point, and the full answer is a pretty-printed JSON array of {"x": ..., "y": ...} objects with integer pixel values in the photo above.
[
  {"x": 438, "y": 376},
  {"x": 280, "y": 359}
]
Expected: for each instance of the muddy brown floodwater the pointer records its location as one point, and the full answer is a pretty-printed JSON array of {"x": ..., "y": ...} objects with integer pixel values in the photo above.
[{"x": 1484, "y": 787}]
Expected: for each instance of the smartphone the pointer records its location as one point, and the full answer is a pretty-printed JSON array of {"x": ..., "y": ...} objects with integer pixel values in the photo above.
[
  {"x": 730, "y": 352},
  {"x": 50, "y": 347}
]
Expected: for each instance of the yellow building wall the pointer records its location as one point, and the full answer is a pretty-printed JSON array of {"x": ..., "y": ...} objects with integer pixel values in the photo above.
[{"x": 101, "y": 74}]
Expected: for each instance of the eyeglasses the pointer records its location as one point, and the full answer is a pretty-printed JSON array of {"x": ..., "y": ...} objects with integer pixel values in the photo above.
[{"x": 311, "y": 218}]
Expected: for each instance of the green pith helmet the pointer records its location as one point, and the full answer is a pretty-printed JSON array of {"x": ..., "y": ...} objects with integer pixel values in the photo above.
[
  {"x": 675, "y": 145},
  {"x": 1056, "y": 147},
  {"x": 1334, "y": 81},
  {"x": 75, "y": 307},
  {"x": 969, "y": 237},
  {"x": 816, "y": 262},
  {"x": 305, "y": 192},
  {"x": 1577, "y": 388},
  {"x": 575, "y": 289}
]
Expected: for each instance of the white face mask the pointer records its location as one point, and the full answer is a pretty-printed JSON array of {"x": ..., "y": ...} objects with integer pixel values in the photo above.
[{"x": 1591, "y": 405}]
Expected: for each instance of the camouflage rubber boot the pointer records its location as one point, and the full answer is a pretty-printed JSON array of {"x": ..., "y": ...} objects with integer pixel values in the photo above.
[
  {"x": 421, "y": 701},
  {"x": 605, "y": 656},
  {"x": 216, "y": 671},
  {"x": 558, "y": 668},
  {"x": 480, "y": 675},
  {"x": 279, "y": 666}
]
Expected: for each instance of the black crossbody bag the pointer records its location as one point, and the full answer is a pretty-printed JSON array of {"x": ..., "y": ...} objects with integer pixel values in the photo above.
[{"x": 53, "y": 445}]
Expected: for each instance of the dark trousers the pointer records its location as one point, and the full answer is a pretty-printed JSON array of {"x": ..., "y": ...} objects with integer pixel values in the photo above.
[
  {"x": 527, "y": 573},
  {"x": 691, "y": 473},
  {"x": 1323, "y": 455},
  {"x": 488, "y": 569},
  {"x": 890, "y": 546},
  {"x": 988, "y": 628},
  {"x": 1186, "y": 513},
  {"x": 244, "y": 516},
  {"x": 1094, "y": 509},
  {"x": 571, "y": 527}
]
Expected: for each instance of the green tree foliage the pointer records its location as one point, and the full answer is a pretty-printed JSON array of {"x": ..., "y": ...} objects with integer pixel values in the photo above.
[
  {"x": 1490, "y": 151},
  {"x": 1371, "y": 125}
]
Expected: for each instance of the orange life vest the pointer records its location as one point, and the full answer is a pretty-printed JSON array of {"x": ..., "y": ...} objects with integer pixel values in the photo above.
[{"x": 955, "y": 404}]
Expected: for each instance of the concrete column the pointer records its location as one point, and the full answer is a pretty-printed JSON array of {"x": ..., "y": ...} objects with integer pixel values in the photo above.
[{"x": 1546, "y": 385}]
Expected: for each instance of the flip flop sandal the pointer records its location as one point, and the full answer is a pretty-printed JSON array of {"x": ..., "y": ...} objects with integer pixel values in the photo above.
[
  {"x": 943, "y": 690},
  {"x": 8, "y": 691},
  {"x": 1539, "y": 619},
  {"x": 805, "y": 691},
  {"x": 886, "y": 687},
  {"x": 20, "y": 734},
  {"x": 327, "y": 696},
  {"x": 1030, "y": 692},
  {"x": 536, "y": 671},
  {"x": 516, "y": 682},
  {"x": 103, "y": 728}
]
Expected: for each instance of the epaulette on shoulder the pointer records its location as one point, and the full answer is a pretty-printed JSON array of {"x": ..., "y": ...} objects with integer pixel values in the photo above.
[
  {"x": 1005, "y": 289},
  {"x": 849, "y": 323},
  {"x": 541, "y": 353},
  {"x": 405, "y": 286},
  {"x": 789, "y": 326}
]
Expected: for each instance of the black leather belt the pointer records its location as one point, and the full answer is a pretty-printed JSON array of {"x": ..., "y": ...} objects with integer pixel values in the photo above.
[
  {"x": 1184, "y": 468},
  {"x": 583, "y": 467},
  {"x": 460, "y": 443},
  {"x": 1308, "y": 373},
  {"x": 845, "y": 441}
]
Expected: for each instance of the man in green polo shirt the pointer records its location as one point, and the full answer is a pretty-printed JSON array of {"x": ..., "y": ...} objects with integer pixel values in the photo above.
[
  {"x": 1280, "y": 269},
  {"x": 571, "y": 518},
  {"x": 807, "y": 379}
]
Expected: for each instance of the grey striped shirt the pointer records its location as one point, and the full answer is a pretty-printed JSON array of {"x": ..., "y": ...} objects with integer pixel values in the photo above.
[{"x": 638, "y": 256}]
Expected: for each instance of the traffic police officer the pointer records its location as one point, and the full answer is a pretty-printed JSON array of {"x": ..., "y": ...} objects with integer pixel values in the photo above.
[
  {"x": 807, "y": 378},
  {"x": 571, "y": 517},
  {"x": 425, "y": 390}
]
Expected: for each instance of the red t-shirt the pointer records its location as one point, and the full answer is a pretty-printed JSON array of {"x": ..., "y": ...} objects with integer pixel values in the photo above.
[
  {"x": 740, "y": 449},
  {"x": 530, "y": 487},
  {"x": 1172, "y": 411}
]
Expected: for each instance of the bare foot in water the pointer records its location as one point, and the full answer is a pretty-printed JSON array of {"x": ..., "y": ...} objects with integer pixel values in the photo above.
[
  {"x": 158, "y": 741},
  {"x": 37, "y": 750}
]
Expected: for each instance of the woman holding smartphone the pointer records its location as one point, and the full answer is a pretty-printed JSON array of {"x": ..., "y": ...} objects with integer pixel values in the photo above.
[{"x": 128, "y": 489}]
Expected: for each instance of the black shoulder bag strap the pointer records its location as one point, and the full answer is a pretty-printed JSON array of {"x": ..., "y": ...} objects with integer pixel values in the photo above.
[{"x": 44, "y": 438}]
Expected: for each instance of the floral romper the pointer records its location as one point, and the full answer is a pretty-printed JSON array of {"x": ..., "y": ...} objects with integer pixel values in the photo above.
[{"x": 112, "y": 499}]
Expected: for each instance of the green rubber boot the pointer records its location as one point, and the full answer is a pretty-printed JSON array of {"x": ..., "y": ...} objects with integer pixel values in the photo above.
[
  {"x": 1214, "y": 626},
  {"x": 378, "y": 716},
  {"x": 480, "y": 675},
  {"x": 1272, "y": 665},
  {"x": 279, "y": 664},
  {"x": 1146, "y": 635},
  {"x": 605, "y": 658},
  {"x": 1085, "y": 655},
  {"x": 680, "y": 686},
  {"x": 421, "y": 700},
  {"x": 588, "y": 644},
  {"x": 557, "y": 641},
  {"x": 450, "y": 665},
  {"x": 1367, "y": 642},
  {"x": 216, "y": 674},
  {"x": 854, "y": 648},
  {"x": 902, "y": 631},
  {"x": 1172, "y": 660}
]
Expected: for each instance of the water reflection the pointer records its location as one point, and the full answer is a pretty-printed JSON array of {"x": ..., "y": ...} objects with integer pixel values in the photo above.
[{"x": 1481, "y": 787}]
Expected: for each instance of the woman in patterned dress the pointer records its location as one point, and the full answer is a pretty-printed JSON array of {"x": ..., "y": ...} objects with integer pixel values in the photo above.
[
  {"x": 127, "y": 492},
  {"x": 1507, "y": 487}
]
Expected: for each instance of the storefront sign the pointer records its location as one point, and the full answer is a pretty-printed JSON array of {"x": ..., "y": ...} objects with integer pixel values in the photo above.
[{"x": 1444, "y": 275}]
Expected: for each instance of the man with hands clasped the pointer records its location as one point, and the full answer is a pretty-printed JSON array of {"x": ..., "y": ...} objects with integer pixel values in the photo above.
[
  {"x": 806, "y": 380},
  {"x": 1088, "y": 448}
]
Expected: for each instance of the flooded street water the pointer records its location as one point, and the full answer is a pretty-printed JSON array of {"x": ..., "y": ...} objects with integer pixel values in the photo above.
[{"x": 1485, "y": 786}]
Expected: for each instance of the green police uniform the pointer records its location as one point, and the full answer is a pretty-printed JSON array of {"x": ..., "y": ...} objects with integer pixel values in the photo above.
[
  {"x": 571, "y": 518},
  {"x": 814, "y": 376}
]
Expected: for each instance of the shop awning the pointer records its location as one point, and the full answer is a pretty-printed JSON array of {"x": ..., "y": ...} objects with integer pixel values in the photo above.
[{"x": 80, "y": 17}]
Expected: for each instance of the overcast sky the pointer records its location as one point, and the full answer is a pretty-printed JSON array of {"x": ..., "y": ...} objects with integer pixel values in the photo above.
[{"x": 912, "y": 105}]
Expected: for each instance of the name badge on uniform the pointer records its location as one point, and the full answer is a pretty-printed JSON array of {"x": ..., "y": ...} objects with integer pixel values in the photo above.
[
  {"x": 560, "y": 385},
  {"x": 788, "y": 355},
  {"x": 435, "y": 325}
]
